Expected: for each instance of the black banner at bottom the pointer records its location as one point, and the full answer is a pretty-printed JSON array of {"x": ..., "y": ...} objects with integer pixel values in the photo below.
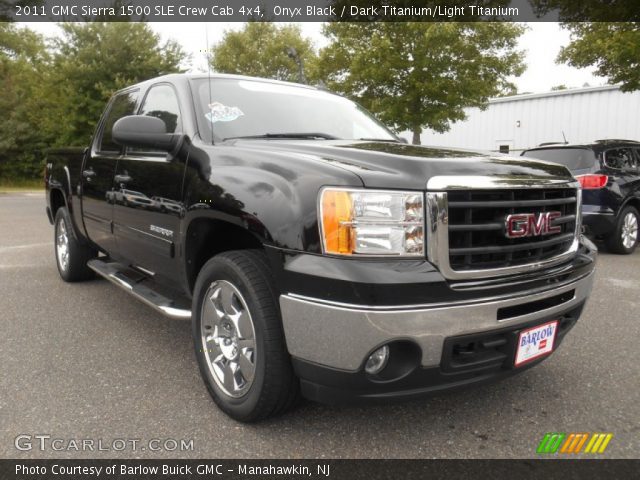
[{"x": 317, "y": 469}]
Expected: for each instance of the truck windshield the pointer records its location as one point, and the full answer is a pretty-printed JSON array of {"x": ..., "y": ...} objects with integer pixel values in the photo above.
[
  {"x": 239, "y": 108},
  {"x": 572, "y": 158}
]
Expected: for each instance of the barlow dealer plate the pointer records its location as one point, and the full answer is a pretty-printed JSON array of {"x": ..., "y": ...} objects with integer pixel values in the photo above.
[{"x": 535, "y": 342}]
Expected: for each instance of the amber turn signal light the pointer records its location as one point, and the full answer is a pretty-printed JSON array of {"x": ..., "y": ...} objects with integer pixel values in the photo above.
[{"x": 337, "y": 215}]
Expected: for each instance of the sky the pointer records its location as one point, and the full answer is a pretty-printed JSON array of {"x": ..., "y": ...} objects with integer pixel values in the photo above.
[{"x": 541, "y": 42}]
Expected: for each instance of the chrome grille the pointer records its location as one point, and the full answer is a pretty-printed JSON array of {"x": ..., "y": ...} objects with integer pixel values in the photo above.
[
  {"x": 477, "y": 237},
  {"x": 467, "y": 232}
]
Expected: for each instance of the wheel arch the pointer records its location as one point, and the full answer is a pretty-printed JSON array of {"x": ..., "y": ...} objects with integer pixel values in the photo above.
[
  {"x": 206, "y": 237},
  {"x": 633, "y": 202},
  {"x": 57, "y": 199}
]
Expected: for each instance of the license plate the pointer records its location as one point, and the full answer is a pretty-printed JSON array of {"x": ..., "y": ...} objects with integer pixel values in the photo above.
[{"x": 535, "y": 342}]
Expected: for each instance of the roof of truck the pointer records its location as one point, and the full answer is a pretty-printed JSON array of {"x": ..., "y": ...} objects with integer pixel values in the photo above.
[{"x": 204, "y": 76}]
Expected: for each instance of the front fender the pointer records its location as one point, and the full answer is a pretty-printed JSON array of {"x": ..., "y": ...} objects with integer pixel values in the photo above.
[{"x": 277, "y": 204}]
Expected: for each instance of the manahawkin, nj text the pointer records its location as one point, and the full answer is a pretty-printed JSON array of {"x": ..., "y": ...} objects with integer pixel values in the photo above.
[{"x": 175, "y": 469}]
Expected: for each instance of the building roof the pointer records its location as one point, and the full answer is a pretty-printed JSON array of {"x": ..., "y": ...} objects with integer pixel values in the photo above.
[{"x": 554, "y": 93}]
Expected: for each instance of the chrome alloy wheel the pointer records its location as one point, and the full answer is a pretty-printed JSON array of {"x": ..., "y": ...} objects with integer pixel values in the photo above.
[
  {"x": 62, "y": 246},
  {"x": 629, "y": 230},
  {"x": 228, "y": 338}
]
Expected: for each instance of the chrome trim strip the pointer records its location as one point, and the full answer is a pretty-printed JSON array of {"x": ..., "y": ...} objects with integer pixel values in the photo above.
[
  {"x": 175, "y": 312},
  {"x": 422, "y": 306},
  {"x": 437, "y": 215},
  {"x": 481, "y": 182},
  {"x": 144, "y": 270},
  {"x": 115, "y": 279}
]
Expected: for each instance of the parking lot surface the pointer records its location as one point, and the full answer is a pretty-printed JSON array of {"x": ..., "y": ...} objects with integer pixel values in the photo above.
[{"x": 86, "y": 361}]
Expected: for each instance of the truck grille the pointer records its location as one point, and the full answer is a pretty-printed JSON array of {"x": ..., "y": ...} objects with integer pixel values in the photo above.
[
  {"x": 477, "y": 237},
  {"x": 476, "y": 226},
  {"x": 467, "y": 219}
]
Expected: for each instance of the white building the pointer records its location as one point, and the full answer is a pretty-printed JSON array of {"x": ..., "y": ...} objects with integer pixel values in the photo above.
[{"x": 524, "y": 121}]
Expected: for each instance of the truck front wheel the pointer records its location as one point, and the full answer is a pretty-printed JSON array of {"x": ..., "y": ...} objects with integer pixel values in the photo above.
[
  {"x": 238, "y": 336},
  {"x": 71, "y": 255}
]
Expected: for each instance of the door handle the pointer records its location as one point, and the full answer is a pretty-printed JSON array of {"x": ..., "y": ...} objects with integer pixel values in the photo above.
[
  {"x": 122, "y": 178},
  {"x": 89, "y": 173}
]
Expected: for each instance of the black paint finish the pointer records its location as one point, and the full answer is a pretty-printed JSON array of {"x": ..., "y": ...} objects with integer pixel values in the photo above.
[{"x": 164, "y": 211}]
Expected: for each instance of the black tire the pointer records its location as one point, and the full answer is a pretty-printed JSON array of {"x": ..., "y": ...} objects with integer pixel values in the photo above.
[
  {"x": 75, "y": 268},
  {"x": 616, "y": 240},
  {"x": 272, "y": 387}
]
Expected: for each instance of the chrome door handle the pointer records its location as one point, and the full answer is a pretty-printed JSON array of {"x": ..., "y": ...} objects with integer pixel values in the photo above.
[{"x": 122, "y": 178}]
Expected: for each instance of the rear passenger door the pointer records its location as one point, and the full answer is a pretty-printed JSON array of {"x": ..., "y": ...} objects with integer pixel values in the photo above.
[
  {"x": 98, "y": 171},
  {"x": 148, "y": 186},
  {"x": 622, "y": 165},
  {"x": 635, "y": 183}
]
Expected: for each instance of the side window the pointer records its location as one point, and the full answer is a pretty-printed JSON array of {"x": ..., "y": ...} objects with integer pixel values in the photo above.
[
  {"x": 620, "y": 158},
  {"x": 121, "y": 106},
  {"x": 161, "y": 102}
]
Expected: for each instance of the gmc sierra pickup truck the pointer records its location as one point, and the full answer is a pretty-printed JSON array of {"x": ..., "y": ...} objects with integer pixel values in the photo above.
[{"x": 314, "y": 252}]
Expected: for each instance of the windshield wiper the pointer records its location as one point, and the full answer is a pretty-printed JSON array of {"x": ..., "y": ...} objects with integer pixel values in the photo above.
[
  {"x": 311, "y": 135},
  {"x": 392, "y": 140}
]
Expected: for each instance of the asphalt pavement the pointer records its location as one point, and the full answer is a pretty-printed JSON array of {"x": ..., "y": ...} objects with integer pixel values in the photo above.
[{"x": 86, "y": 361}]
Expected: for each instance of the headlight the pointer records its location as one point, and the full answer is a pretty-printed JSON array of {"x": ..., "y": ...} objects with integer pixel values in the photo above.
[{"x": 371, "y": 222}]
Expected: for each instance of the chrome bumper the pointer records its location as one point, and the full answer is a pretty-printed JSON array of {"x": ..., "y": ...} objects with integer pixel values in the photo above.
[{"x": 342, "y": 336}]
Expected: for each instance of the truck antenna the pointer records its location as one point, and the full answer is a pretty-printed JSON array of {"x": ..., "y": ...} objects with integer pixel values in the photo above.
[
  {"x": 207, "y": 54},
  {"x": 565, "y": 138}
]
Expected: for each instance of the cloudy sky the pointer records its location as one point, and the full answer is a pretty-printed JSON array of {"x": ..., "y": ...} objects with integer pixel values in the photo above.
[{"x": 541, "y": 42}]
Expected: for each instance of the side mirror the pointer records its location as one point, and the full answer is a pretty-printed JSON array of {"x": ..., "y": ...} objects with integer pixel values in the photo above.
[
  {"x": 403, "y": 140},
  {"x": 142, "y": 131}
]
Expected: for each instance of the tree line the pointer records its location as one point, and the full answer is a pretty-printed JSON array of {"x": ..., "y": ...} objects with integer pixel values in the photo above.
[{"x": 412, "y": 76}]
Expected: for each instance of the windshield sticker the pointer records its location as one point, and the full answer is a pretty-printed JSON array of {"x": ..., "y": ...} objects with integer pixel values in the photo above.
[{"x": 222, "y": 113}]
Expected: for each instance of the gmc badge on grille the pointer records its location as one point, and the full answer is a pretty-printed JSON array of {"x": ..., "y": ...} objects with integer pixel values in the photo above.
[{"x": 520, "y": 225}]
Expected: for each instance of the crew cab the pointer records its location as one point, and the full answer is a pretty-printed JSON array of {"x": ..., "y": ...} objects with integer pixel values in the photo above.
[{"x": 313, "y": 251}]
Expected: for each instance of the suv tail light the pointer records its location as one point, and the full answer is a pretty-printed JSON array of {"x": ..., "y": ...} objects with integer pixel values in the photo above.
[{"x": 592, "y": 182}]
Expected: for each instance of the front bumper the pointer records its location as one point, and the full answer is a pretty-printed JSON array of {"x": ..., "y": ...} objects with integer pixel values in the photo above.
[{"x": 330, "y": 341}]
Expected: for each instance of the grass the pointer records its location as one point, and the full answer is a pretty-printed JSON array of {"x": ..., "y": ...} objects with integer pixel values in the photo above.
[{"x": 21, "y": 185}]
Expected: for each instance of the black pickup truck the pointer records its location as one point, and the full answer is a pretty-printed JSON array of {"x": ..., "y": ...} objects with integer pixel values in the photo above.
[{"x": 314, "y": 252}]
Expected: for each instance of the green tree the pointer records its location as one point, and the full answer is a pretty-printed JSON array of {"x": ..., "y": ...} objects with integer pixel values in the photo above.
[
  {"x": 93, "y": 60},
  {"x": 417, "y": 75},
  {"x": 260, "y": 49},
  {"x": 613, "y": 48},
  {"x": 24, "y": 63}
]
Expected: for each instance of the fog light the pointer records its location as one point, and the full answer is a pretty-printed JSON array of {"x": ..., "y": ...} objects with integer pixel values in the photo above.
[{"x": 377, "y": 361}]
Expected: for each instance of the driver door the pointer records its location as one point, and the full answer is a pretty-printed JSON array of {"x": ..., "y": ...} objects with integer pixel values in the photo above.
[{"x": 148, "y": 187}]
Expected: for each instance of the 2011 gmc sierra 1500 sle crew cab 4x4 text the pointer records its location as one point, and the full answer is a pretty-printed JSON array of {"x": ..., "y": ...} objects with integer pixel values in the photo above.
[{"x": 315, "y": 252}]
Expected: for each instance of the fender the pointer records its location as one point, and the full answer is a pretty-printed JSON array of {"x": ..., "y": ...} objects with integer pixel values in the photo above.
[
  {"x": 60, "y": 178},
  {"x": 633, "y": 201}
]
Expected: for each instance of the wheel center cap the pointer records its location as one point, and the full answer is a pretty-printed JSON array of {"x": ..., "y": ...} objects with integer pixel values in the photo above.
[{"x": 229, "y": 348}]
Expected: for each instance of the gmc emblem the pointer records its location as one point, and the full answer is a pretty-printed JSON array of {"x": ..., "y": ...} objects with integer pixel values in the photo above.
[{"x": 520, "y": 225}]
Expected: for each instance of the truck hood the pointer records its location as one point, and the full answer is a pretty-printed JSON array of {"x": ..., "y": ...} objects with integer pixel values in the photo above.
[{"x": 398, "y": 165}]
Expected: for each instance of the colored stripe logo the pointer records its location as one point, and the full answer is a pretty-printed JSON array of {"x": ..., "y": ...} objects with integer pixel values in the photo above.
[{"x": 574, "y": 443}]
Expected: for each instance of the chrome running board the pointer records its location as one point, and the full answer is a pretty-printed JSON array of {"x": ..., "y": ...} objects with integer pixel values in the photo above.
[{"x": 132, "y": 282}]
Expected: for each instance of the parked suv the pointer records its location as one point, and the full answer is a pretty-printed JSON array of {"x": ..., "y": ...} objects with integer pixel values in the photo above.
[{"x": 609, "y": 173}]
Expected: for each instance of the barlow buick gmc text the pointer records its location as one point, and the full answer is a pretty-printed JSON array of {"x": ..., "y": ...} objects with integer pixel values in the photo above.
[{"x": 314, "y": 252}]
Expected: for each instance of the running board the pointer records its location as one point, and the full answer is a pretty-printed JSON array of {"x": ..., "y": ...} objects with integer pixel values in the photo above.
[{"x": 133, "y": 282}]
